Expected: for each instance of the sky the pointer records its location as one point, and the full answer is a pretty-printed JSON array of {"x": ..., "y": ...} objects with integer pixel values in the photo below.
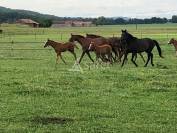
[{"x": 96, "y": 8}]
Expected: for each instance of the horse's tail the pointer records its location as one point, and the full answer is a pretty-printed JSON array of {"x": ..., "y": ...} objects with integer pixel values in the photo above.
[{"x": 158, "y": 48}]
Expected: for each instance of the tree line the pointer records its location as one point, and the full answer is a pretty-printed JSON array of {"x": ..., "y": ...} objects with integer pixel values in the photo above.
[{"x": 114, "y": 21}]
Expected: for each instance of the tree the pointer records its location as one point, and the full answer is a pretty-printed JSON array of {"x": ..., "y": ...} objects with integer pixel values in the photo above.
[{"x": 174, "y": 19}]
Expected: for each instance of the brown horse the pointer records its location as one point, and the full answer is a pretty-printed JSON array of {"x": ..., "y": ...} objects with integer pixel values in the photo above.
[
  {"x": 113, "y": 41},
  {"x": 174, "y": 42},
  {"x": 102, "y": 51},
  {"x": 85, "y": 43},
  {"x": 61, "y": 47}
]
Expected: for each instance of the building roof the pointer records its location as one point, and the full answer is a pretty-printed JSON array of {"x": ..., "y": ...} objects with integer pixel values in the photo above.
[{"x": 28, "y": 21}]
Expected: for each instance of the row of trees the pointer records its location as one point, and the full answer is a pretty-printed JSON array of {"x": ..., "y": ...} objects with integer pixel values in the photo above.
[{"x": 113, "y": 21}]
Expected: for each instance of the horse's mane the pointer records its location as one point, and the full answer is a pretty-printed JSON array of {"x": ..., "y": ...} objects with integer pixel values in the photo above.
[
  {"x": 130, "y": 36},
  {"x": 93, "y": 35},
  {"x": 80, "y": 36},
  {"x": 54, "y": 42}
]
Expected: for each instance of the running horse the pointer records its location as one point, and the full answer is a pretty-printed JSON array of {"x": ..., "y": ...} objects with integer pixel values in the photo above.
[
  {"x": 85, "y": 43},
  {"x": 115, "y": 42},
  {"x": 102, "y": 51},
  {"x": 174, "y": 42},
  {"x": 134, "y": 45},
  {"x": 61, "y": 47}
]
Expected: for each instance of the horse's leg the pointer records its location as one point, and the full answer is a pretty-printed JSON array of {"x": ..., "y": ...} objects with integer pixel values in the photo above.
[
  {"x": 149, "y": 55},
  {"x": 120, "y": 55},
  {"x": 110, "y": 58},
  {"x": 57, "y": 59},
  {"x": 62, "y": 59},
  {"x": 116, "y": 55},
  {"x": 142, "y": 57},
  {"x": 125, "y": 57},
  {"x": 133, "y": 55},
  {"x": 89, "y": 56},
  {"x": 152, "y": 59},
  {"x": 83, "y": 53}
]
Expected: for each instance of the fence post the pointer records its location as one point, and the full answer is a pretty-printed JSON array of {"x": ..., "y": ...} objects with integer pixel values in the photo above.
[
  {"x": 61, "y": 36},
  {"x": 12, "y": 47},
  {"x": 167, "y": 36},
  {"x": 35, "y": 36}
]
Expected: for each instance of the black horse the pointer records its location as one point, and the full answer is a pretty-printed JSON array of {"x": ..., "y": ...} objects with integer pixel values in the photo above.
[{"x": 131, "y": 44}]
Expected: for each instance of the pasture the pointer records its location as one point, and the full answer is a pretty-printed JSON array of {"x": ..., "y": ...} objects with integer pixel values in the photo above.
[{"x": 37, "y": 97}]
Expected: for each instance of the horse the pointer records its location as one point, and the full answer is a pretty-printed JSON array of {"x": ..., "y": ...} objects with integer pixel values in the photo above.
[
  {"x": 85, "y": 43},
  {"x": 115, "y": 42},
  {"x": 61, "y": 47},
  {"x": 102, "y": 51},
  {"x": 174, "y": 42},
  {"x": 134, "y": 45}
]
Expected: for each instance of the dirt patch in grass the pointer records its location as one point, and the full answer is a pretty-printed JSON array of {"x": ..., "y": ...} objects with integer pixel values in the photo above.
[{"x": 52, "y": 120}]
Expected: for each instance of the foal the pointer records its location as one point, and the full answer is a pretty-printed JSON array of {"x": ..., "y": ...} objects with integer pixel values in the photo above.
[
  {"x": 102, "y": 51},
  {"x": 61, "y": 47},
  {"x": 174, "y": 42}
]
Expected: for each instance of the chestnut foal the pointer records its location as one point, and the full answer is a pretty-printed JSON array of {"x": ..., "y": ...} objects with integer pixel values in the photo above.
[
  {"x": 61, "y": 47},
  {"x": 102, "y": 51},
  {"x": 174, "y": 42}
]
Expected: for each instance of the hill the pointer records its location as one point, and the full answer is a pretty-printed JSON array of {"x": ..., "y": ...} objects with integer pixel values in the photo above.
[{"x": 11, "y": 15}]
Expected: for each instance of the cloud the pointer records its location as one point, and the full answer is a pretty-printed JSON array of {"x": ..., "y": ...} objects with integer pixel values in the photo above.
[{"x": 95, "y": 8}]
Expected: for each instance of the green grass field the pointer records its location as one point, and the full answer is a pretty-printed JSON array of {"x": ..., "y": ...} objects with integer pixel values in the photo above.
[{"x": 37, "y": 97}]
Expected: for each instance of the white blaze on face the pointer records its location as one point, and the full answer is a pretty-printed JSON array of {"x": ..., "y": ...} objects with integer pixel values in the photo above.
[{"x": 90, "y": 46}]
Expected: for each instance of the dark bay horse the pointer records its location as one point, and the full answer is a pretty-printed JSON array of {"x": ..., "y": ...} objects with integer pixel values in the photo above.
[
  {"x": 61, "y": 47},
  {"x": 131, "y": 44},
  {"x": 85, "y": 43},
  {"x": 174, "y": 42}
]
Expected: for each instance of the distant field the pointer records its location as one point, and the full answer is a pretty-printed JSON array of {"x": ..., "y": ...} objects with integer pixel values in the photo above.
[{"x": 37, "y": 97}]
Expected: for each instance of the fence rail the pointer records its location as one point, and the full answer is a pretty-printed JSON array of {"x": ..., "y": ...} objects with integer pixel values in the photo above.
[{"x": 12, "y": 42}]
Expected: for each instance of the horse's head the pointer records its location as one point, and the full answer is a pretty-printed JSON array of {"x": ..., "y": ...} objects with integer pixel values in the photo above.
[
  {"x": 74, "y": 38},
  {"x": 47, "y": 43},
  {"x": 125, "y": 36},
  {"x": 171, "y": 41}
]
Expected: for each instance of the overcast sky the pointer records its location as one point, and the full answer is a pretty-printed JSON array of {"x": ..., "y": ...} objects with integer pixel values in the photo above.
[{"x": 95, "y": 8}]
